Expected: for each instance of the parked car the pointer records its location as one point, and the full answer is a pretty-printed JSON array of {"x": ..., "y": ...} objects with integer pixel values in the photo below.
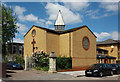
[
  {"x": 13, "y": 65},
  {"x": 118, "y": 67},
  {"x": 115, "y": 68},
  {"x": 99, "y": 70}
]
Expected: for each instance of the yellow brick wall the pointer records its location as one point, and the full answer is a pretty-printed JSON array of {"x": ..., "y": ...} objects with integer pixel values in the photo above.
[
  {"x": 114, "y": 53},
  {"x": 81, "y": 56},
  {"x": 76, "y": 62},
  {"x": 40, "y": 39},
  {"x": 53, "y": 43},
  {"x": 64, "y": 45}
]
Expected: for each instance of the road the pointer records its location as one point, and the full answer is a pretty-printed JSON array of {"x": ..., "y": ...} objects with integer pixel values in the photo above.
[
  {"x": 41, "y": 75},
  {"x": 114, "y": 77}
]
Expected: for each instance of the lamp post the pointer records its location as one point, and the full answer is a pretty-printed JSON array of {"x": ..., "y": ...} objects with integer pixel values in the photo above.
[
  {"x": 112, "y": 48},
  {"x": 100, "y": 61},
  {"x": 12, "y": 42},
  {"x": 12, "y": 35}
]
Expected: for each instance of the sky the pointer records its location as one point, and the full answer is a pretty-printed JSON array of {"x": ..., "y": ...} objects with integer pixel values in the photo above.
[{"x": 100, "y": 17}]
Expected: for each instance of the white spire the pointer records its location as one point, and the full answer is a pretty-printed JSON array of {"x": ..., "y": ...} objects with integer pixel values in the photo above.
[{"x": 59, "y": 20}]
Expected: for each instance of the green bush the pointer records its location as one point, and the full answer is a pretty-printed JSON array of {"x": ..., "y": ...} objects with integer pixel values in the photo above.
[
  {"x": 19, "y": 59},
  {"x": 64, "y": 63},
  {"x": 45, "y": 68},
  {"x": 42, "y": 68}
]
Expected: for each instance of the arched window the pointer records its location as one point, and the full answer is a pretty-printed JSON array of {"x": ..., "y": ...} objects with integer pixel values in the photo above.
[{"x": 33, "y": 32}]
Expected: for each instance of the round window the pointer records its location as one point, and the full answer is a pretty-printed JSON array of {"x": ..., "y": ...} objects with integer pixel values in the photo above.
[
  {"x": 86, "y": 43},
  {"x": 33, "y": 33}
]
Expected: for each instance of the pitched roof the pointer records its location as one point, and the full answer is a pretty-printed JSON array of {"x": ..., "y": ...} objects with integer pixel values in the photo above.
[
  {"x": 99, "y": 49},
  {"x": 59, "y": 20},
  {"x": 108, "y": 41},
  {"x": 60, "y": 32}
]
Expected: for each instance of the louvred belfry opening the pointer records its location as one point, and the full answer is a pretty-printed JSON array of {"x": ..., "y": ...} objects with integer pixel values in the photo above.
[{"x": 59, "y": 23}]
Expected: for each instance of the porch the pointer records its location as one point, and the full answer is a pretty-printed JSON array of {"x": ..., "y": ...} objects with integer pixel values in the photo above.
[{"x": 101, "y": 58}]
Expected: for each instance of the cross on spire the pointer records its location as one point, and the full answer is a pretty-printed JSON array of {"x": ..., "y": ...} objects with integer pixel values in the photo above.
[{"x": 59, "y": 23}]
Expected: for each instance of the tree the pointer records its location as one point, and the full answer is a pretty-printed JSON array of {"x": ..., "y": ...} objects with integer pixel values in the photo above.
[
  {"x": 9, "y": 27},
  {"x": 0, "y": 34}
]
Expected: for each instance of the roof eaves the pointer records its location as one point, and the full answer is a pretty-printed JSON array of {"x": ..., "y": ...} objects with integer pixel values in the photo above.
[{"x": 60, "y": 32}]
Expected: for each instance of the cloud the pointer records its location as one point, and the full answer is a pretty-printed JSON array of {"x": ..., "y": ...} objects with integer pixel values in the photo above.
[
  {"x": 18, "y": 40},
  {"x": 22, "y": 28},
  {"x": 42, "y": 20},
  {"x": 105, "y": 35},
  {"x": 76, "y": 6},
  {"x": 100, "y": 16},
  {"x": 72, "y": 0},
  {"x": 19, "y": 10},
  {"x": 49, "y": 23},
  {"x": 68, "y": 16},
  {"x": 102, "y": 35},
  {"x": 109, "y": 0},
  {"x": 31, "y": 17},
  {"x": 109, "y": 6},
  {"x": 114, "y": 35},
  {"x": 94, "y": 14},
  {"x": 110, "y": 9}
]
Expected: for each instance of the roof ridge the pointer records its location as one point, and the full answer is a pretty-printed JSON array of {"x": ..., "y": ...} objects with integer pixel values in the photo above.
[{"x": 60, "y": 32}]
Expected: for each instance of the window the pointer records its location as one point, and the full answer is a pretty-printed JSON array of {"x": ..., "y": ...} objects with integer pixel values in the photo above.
[
  {"x": 33, "y": 33},
  {"x": 86, "y": 43},
  {"x": 100, "y": 52},
  {"x": 59, "y": 27},
  {"x": 20, "y": 49},
  {"x": 105, "y": 52},
  {"x": 14, "y": 49}
]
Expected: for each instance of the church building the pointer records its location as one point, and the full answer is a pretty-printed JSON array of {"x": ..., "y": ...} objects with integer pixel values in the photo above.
[{"x": 78, "y": 43}]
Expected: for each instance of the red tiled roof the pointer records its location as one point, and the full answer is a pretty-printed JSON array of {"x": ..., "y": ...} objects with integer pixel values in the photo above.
[{"x": 108, "y": 41}]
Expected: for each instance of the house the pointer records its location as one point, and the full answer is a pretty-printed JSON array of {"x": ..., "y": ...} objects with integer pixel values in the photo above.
[
  {"x": 112, "y": 46},
  {"x": 16, "y": 49},
  {"x": 103, "y": 57}
]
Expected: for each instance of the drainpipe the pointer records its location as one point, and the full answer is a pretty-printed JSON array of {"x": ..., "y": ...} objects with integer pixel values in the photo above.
[{"x": 69, "y": 44}]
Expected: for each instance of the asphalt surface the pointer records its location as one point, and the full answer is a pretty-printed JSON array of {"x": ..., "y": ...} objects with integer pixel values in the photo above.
[{"x": 41, "y": 75}]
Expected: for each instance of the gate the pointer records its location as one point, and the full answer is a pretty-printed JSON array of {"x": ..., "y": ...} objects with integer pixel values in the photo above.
[{"x": 30, "y": 62}]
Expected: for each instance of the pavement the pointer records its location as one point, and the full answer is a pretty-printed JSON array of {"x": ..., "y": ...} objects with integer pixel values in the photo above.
[
  {"x": 34, "y": 75},
  {"x": 41, "y": 75},
  {"x": 74, "y": 73}
]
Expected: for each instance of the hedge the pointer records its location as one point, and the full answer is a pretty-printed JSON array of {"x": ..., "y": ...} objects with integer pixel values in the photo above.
[
  {"x": 42, "y": 62},
  {"x": 64, "y": 63}
]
